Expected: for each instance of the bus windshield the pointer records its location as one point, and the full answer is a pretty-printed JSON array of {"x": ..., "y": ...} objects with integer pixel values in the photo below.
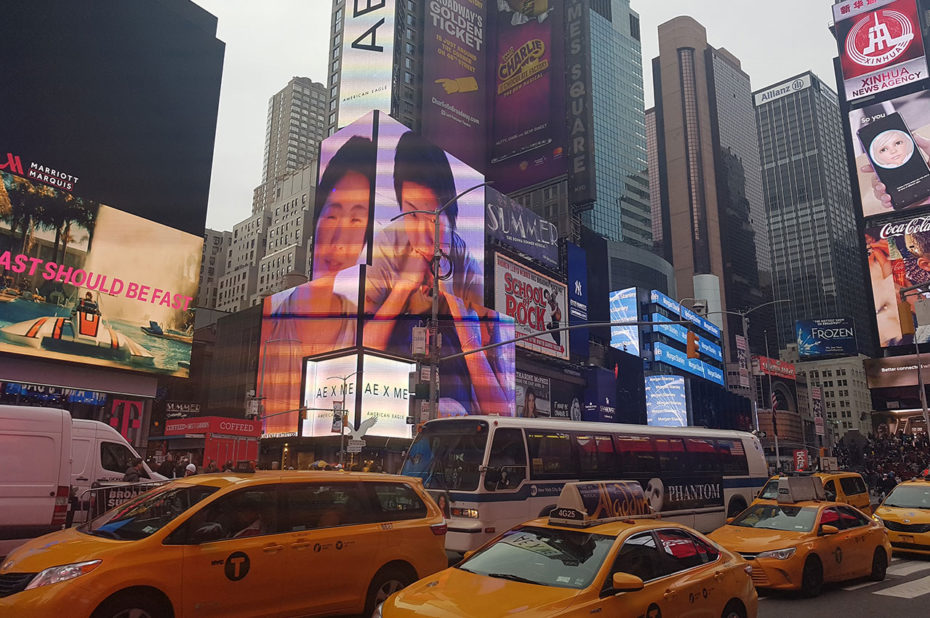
[{"x": 447, "y": 455}]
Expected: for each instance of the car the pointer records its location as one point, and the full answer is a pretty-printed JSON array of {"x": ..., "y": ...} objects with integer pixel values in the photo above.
[
  {"x": 847, "y": 487},
  {"x": 598, "y": 552},
  {"x": 263, "y": 544},
  {"x": 801, "y": 540},
  {"x": 905, "y": 513}
]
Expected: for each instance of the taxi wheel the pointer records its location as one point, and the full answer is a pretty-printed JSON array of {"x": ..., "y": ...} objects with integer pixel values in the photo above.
[
  {"x": 386, "y": 582},
  {"x": 812, "y": 577},
  {"x": 734, "y": 609},
  {"x": 879, "y": 565},
  {"x": 132, "y": 605}
]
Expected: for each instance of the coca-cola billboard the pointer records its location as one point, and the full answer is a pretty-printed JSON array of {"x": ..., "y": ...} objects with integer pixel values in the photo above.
[{"x": 880, "y": 45}]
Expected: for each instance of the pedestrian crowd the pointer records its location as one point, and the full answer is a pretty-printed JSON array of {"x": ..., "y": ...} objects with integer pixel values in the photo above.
[{"x": 892, "y": 458}]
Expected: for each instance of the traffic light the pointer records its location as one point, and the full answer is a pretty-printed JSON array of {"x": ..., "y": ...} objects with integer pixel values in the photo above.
[
  {"x": 906, "y": 318},
  {"x": 693, "y": 345}
]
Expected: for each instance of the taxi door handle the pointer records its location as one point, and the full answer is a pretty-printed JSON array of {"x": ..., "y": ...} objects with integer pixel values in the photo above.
[
  {"x": 669, "y": 593},
  {"x": 272, "y": 548},
  {"x": 300, "y": 545},
  {"x": 718, "y": 575}
]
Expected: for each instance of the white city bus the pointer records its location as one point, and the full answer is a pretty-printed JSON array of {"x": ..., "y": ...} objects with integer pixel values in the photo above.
[{"x": 489, "y": 473}]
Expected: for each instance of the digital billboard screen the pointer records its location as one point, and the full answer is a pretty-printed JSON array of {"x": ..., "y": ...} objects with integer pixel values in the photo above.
[
  {"x": 880, "y": 45},
  {"x": 87, "y": 283},
  {"x": 367, "y": 58},
  {"x": 519, "y": 228},
  {"x": 666, "y": 402},
  {"x": 891, "y": 144},
  {"x": 899, "y": 256},
  {"x": 528, "y": 129},
  {"x": 533, "y": 395},
  {"x": 827, "y": 337},
  {"x": 454, "y": 111},
  {"x": 537, "y": 303},
  {"x": 624, "y": 307}
]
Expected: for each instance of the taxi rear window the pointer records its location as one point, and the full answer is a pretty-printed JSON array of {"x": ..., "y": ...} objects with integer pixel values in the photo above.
[{"x": 852, "y": 485}]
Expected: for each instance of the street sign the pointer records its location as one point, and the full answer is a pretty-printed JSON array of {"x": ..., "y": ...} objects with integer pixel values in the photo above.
[
  {"x": 338, "y": 413},
  {"x": 800, "y": 460},
  {"x": 355, "y": 446},
  {"x": 418, "y": 341},
  {"x": 818, "y": 425}
]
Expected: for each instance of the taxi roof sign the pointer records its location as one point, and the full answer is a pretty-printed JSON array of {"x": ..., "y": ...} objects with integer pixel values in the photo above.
[
  {"x": 591, "y": 503},
  {"x": 800, "y": 488}
]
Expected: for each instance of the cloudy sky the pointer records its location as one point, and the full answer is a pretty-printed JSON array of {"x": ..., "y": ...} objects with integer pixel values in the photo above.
[{"x": 269, "y": 42}]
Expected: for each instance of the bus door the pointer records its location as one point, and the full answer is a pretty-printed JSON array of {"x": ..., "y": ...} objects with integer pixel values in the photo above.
[{"x": 505, "y": 474}]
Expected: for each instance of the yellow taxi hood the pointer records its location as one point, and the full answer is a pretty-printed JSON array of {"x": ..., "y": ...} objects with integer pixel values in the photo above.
[
  {"x": 900, "y": 513},
  {"x": 455, "y": 593},
  {"x": 58, "y": 548},
  {"x": 755, "y": 540}
]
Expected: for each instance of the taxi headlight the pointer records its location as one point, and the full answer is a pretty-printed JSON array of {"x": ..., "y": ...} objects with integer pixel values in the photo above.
[
  {"x": 62, "y": 573},
  {"x": 878, "y": 519},
  {"x": 778, "y": 554}
]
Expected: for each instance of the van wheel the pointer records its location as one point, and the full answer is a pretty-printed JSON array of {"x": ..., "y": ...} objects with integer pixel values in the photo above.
[
  {"x": 133, "y": 605},
  {"x": 386, "y": 582},
  {"x": 734, "y": 609},
  {"x": 879, "y": 565},
  {"x": 812, "y": 577}
]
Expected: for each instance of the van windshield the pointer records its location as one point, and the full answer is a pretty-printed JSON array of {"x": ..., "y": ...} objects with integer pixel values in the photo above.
[
  {"x": 148, "y": 513},
  {"x": 447, "y": 455}
]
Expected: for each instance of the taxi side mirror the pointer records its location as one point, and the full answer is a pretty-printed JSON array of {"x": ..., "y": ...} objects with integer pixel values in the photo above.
[
  {"x": 624, "y": 582},
  {"x": 468, "y": 554},
  {"x": 730, "y": 520},
  {"x": 828, "y": 529}
]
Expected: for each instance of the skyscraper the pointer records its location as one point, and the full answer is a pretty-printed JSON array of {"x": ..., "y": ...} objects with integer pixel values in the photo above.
[
  {"x": 811, "y": 219},
  {"x": 294, "y": 128},
  {"x": 710, "y": 183}
]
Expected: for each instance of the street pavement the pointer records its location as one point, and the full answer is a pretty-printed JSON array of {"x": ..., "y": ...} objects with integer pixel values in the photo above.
[{"x": 905, "y": 593}]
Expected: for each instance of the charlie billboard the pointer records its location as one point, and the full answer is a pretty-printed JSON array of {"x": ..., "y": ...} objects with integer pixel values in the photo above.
[{"x": 87, "y": 283}]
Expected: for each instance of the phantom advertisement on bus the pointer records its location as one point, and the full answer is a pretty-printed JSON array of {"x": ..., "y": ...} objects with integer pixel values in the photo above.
[
  {"x": 86, "y": 283},
  {"x": 899, "y": 257},
  {"x": 891, "y": 144},
  {"x": 827, "y": 337},
  {"x": 880, "y": 45},
  {"x": 372, "y": 278}
]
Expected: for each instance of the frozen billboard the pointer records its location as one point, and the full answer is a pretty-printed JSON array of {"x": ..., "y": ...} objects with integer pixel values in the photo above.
[
  {"x": 87, "y": 283},
  {"x": 825, "y": 337},
  {"x": 880, "y": 45}
]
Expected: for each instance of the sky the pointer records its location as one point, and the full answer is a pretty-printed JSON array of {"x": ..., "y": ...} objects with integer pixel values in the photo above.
[{"x": 269, "y": 42}]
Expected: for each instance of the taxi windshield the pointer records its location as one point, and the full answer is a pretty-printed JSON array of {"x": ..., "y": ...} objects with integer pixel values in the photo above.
[
  {"x": 543, "y": 556},
  {"x": 909, "y": 497},
  {"x": 148, "y": 513},
  {"x": 447, "y": 455},
  {"x": 777, "y": 517}
]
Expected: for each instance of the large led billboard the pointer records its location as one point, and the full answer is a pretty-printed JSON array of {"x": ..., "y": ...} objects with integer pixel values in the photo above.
[
  {"x": 454, "y": 113},
  {"x": 826, "y": 337},
  {"x": 880, "y": 45},
  {"x": 624, "y": 307},
  {"x": 528, "y": 128},
  {"x": 891, "y": 144},
  {"x": 87, "y": 283},
  {"x": 537, "y": 304},
  {"x": 367, "y": 59},
  {"x": 519, "y": 228},
  {"x": 662, "y": 353},
  {"x": 895, "y": 371},
  {"x": 899, "y": 257},
  {"x": 372, "y": 280},
  {"x": 666, "y": 402}
]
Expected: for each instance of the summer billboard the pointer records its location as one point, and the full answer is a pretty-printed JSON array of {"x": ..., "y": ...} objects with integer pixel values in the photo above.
[
  {"x": 891, "y": 144},
  {"x": 880, "y": 45},
  {"x": 87, "y": 283},
  {"x": 372, "y": 279}
]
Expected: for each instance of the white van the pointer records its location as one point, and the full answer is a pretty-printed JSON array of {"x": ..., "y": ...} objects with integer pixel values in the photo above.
[{"x": 45, "y": 458}]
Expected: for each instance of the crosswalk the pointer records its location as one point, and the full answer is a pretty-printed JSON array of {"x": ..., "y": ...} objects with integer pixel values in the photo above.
[{"x": 906, "y": 579}]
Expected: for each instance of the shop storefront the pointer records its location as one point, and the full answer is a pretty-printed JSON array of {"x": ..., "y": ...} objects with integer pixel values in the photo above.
[{"x": 207, "y": 438}]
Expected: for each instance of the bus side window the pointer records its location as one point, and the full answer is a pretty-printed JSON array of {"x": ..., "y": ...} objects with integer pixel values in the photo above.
[
  {"x": 551, "y": 455},
  {"x": 595, "y": 455},
  {"x": 702, "y": 456},
  {"x": 637, "y": 455},
  {"x": 671, "y": 455},
  {"x": 733, "y": 457},
  {"x": 508, "y": 457}
]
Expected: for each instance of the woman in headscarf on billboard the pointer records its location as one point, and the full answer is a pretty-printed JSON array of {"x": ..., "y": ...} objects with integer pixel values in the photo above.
[
  {"x": 399, "y": 284},
  {"x": 321, "y": 315}
]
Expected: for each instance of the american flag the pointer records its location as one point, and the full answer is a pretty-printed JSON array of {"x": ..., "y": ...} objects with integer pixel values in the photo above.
[
  {"x": 774, "y": 401},
  {"x": 774, "y": 414}
]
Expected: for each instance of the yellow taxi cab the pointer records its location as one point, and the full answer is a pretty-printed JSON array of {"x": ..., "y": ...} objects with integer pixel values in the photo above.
[
  {"x": 261, "y": 544},
  {"x": 846, "y": 487},
  {"x": 905, "y": 512},
  {"x": 801, "y": 541},
  {"x": 595, "y": 554}
]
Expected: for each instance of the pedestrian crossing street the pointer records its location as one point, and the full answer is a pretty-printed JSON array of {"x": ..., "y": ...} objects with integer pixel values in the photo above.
[{"x": 907, "y": 578}]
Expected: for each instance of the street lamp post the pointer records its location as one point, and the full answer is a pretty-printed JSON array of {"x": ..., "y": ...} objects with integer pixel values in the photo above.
[
  {"x": 920, "y": 374},
  {"x": 434, "y": 321},
  {"x": 342, "y": 415}
]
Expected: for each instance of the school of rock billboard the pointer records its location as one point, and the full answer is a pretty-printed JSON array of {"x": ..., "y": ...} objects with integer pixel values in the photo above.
[
  {"x": 372, "y": 279},
  {"x": 536, "y": 303},
  {"x": 86, "y": 283},
  {"x": 880, "y": 45},
  {"x": 899, "y": 257}
]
